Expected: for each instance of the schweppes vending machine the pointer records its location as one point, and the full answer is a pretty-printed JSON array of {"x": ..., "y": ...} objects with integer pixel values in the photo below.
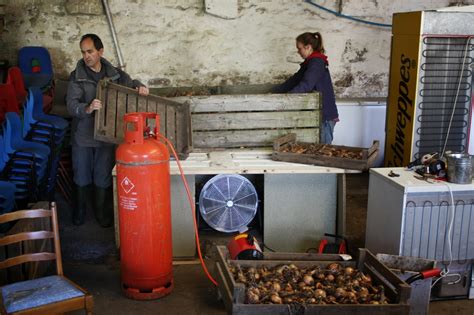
[{"x": 430, "y": 86}]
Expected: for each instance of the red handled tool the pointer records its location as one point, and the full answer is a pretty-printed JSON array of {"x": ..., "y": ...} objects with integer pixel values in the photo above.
[{"x": 424, "y": 275}]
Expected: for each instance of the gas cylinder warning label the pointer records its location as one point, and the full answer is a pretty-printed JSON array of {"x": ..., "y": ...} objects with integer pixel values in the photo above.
[
  {"x": 128, "y": 203},
  {"x": 127, "y": 185}
]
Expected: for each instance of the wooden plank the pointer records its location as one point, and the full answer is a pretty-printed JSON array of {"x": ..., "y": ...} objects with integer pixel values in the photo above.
[
  {"x": 298, "y": 263},
  {"x": 318, "y": 309},
  {"x": 184, "y": 136},
  {"x": 141, "y": 104},
  {"x": 121, "y": 110},
  {"x": 224, "y": 289},
  {"x": 110, "y": 112},
  {"x": 99, "y": 114},
  {"x": 248, "y": 138},
  {"x": 259, "y": 102},
  {"x": 300, "y": 256},
  {"x": 255, "y": 120},
  {"x": 170, "y": 124}
]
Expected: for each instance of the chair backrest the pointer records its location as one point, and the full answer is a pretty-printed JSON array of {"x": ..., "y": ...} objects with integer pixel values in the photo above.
[
  {"x": 8, "y": 99},
  {"x": 37, "y": 100},
  {"x": 52, "y": 234},
  {"x": 15, "y": 78},
  {"x": 12, "y": 129},
  {"x": 35, "y": 59}
]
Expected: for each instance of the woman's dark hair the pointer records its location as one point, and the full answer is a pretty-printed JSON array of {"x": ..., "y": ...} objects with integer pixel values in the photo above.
[
  {"x": 96, "y": 39},
  {"x": 313, "y": 39}
]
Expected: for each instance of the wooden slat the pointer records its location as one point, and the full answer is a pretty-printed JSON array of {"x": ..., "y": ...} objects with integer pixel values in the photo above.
[
  {"x": 121, "y": 110},
  {"x": 298, "y": 263},
  {"x": 258, "y": 102},
  {"x": 110, "y": 122},
  {"x": 300, "y": 256},
  {"x": 248, "y": 138},
  {"x": 99, "y": 114},
  {"x": 224, "y": 289},
  {"x": 318, "y": 309},
  {"x": 170, "y": 125},
  {"x": 254, "y": 120},
  {"x": 24, "y": 214},
  {"x": 141, "y": 104},
  {"x": 10, "y": 262},
  {"x": 25, "y": 236}
]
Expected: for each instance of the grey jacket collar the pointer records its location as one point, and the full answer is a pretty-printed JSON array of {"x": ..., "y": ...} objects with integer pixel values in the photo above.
[{"x": 110, "y": 71}]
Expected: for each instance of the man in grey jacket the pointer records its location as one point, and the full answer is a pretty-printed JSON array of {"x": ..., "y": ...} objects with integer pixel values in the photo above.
[{"x": 92, "y": 160}]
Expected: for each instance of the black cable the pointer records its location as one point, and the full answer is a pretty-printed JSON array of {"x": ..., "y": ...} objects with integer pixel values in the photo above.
[{"x": 268, "y": 248}]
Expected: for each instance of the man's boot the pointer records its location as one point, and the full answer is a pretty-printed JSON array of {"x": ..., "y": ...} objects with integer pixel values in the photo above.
[
  {"x": 104, "y": 206},
  {"x": 83, "y": 197}
]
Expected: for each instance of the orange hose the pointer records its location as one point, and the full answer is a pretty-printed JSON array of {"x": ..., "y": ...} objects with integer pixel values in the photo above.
[{"x": 193, "y": 208}]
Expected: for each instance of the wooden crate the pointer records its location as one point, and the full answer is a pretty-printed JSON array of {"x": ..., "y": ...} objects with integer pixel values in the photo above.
[
  {"x": 175, "y": 118},
  {"x": 233, "y": 293},
  {"x": 252, "y": 120},
  {"x": 368, "y": 155}
]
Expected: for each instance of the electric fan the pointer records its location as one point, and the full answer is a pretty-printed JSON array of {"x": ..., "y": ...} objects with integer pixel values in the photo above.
[{"x": 228, "y": 203}]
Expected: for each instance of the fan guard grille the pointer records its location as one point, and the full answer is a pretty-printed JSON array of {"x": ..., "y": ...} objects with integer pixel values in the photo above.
[{"x": 228, "y": 202}]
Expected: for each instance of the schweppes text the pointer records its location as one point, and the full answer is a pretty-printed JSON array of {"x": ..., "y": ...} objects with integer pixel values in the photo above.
[{"x": 404, "y": 110}]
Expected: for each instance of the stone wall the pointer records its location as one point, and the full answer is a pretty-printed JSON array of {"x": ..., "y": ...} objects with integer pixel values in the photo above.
[{"x": 220, "y": 42}]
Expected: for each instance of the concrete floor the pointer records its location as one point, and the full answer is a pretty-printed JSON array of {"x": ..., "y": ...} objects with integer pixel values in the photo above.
[{"x": 90, "y": 259}]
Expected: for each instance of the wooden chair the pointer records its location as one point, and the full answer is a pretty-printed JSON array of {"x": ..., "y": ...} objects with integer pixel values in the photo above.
[{"x": 46, "y": 295}]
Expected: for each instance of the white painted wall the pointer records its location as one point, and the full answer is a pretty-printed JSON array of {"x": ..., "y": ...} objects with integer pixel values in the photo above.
[
  {"x": 176, "y": 43},
  {"x": 360, "y": 124}
]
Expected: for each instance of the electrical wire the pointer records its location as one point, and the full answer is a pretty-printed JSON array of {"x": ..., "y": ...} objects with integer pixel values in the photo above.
[
  {"x": 456, "y": 97},
  {"x": 444, "y": 273},
  {"x": 348, "y": 16},
  {"x": 193, "y": 208}
]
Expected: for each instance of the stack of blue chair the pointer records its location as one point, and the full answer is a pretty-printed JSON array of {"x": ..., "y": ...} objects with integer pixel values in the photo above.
[
  {"x": 7, "y": 202},
  {"x": 7, "y": 196},
  {"x": 49, "y": 130},
  {"x": 23, "y": 163},
  {"x": 19, "y": 171}
]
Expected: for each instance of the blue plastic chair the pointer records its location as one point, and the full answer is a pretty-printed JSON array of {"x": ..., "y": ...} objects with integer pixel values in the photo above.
[
  {"x": 35, "y": 64},
  {"x": 35, "y": 118},
  {"x": 15, "y": 145},
  {"x": 17, "y": 167},
  {"x": 7, "y": 196},
  {"x": 22, "y": 178}
]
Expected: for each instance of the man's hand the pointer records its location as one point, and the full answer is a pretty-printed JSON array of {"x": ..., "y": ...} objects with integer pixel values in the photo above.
[
  {"x": 94, "y": 105},
  {"x": 143, "y": 90}
]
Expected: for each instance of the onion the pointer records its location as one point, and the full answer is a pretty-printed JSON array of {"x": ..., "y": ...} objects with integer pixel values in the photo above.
[
  {"x": 308, "y": 280},
  {"x": 276, "y": 299}
]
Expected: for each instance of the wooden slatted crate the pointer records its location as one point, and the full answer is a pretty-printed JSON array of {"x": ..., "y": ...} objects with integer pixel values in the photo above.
[
  {"x": 368, "y": 155},
  {"x": 117, "y": 100},
  {"x": 252, "y": 120},
  {"x": 233, "y": 293}
]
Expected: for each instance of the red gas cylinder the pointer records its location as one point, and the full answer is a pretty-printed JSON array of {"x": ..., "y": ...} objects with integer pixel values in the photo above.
[{"x": 143, "y": 186}]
